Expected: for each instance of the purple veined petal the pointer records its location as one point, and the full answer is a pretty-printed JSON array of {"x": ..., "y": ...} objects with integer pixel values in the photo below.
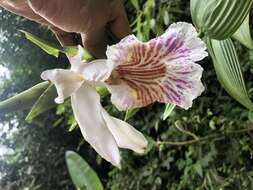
[
  {"x": 162, "y": 69},
  {"x": 118, "y": 53},
  {"x": 182, "y": 84},
  {"x": 65, "y": 81},
  {"x": 180, "y": 44},
  {"x": 178, "y": 84},
  {"x": 88, "y": 113},
  {"x": 125, "y": 135}
]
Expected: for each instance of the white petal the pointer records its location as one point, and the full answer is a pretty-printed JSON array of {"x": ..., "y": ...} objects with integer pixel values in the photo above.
[
  {"x": 187, "y": 33},
  {"x": 65, "y": 81},
  {"x": 96, "y": 71},
  {"x": 125, "y": 135},
  {"x": 122, "y": 95},
  {"x": 88, "y": 113},
  {"x": 77, "y": 59}
]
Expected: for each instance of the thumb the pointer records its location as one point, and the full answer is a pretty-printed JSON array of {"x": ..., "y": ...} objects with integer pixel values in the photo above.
[{"x": 95, "y": 42}]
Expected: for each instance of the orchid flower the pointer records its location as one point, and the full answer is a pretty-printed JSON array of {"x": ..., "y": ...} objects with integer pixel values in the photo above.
[
  {"x": 162, "y": 69},
  {"x": 102, "y": 131},
  {"x": 136, "y": 74}
]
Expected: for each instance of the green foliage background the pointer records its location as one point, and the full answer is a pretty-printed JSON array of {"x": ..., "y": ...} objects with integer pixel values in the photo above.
[{"x": 223, "y": 160}]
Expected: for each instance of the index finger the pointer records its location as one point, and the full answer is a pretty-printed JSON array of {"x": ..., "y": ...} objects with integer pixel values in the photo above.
[
  {"x": 119, "y": 24},
  {"x": 21, "y": 8}
]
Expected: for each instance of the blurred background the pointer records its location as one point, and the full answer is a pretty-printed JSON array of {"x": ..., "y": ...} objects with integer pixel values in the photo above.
[{"x": 32, "y": 155}]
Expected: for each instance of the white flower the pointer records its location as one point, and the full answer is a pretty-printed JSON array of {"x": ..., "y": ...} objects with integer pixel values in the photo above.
[
  {"x": 103, "y": 132},
  {"x": 136, "y": 73}
]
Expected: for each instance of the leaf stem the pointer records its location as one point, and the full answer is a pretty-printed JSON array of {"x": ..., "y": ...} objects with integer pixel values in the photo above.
[
  {"x": 181, "y": 129},
  {"x": 204, "y": 139}
]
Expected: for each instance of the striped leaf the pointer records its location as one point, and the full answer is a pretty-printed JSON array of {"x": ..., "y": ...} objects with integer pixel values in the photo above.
[
  {"x": 228, "y": 70},
  {"x": 44, "y": 103},
  {"x": 243, "y": 34},
  {"x": 219, "y": 19},
  {"x": 82, "y": 175},
  {"x": 168, "y": 110},
  {"x": 200, "y": 9},
  {"x": 24, "y": 100}
]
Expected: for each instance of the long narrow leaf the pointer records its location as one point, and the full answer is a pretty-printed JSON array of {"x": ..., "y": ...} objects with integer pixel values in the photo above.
[
  {"x": 219, "y": 19},
  {"x": 44, "y": 103},
  {"x": 168, "y": 110},
  {"x": 130, "y": 113},
  {"x": 53, "y": 49},
  {"x": 48, "y": 47},
  {"x": 228, "y": 70},
  {"x": 243, "y": 34},
  {"x": 82, "y": 175},
  {"x": 135, "y": 3},
  {"x": 24, "y": 100}
]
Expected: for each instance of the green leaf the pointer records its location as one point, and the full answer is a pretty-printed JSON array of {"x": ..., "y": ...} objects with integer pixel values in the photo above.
[
  {"x": 228, "y": 70},
  {"x": 200, "y": 9},
  {"x": 198, "y": 169},
  {"x": 53, "y": 49},
  {"x": 136, "y": 5},
  {"x": 102, "y": 91},
  {"x": 24, "y": 100},
  {"x": 168, "y": 110},
  {"x": 43, "y": 104},
  {"x": 73, "y": 127},
  {"x": 250, "y": 116},
  {"x": 243, "y": 34},
  {"x": 48, "y": 47},
  {"x": 82, "y": 175},
  {"x": 70, "y": 50},
  {"x": 219, "y": 19},
  {"x": 166, "y": 17},
  {"x": 130, "y": 113}
]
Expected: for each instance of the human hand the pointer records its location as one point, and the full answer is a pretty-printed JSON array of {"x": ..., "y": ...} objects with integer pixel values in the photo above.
[{"x": 90, "y": 18}]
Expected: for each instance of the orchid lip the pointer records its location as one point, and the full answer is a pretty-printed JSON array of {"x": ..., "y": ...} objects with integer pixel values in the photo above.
[{"x": 162, "y": 69}]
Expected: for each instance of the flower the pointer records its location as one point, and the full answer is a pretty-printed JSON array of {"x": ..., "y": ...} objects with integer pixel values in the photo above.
[
  {"x": 136, "y": 74},
  {"x": 162, "y": 69},
  {"x": 101, "y": 131}
]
